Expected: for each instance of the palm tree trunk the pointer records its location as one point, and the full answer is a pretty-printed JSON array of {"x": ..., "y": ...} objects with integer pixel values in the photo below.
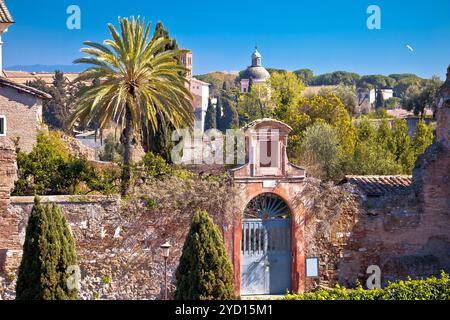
[{"x": 128, "y": 152}]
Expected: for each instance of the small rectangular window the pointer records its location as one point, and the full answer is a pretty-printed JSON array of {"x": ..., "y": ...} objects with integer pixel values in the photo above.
[{"x": 2, "y": 126}]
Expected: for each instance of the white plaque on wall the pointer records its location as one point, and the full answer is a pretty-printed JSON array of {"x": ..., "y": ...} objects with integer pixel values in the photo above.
[
  {"x": 269, "y": 183},
  {"x": 312, "y": 267}
]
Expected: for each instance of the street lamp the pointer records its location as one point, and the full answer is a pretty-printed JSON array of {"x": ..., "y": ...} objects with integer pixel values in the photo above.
[{"x": 165, "y": 252}]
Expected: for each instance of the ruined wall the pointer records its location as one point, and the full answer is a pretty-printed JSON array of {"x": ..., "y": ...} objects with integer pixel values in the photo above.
[
  {"x": 394, "y": 234},
  {"x": 9, "y": 238},
  {"x": 118, "y": 254}
]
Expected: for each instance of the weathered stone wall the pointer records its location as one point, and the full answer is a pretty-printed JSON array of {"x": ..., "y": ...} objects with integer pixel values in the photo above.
[
  {"x": 118, "y": 253},
  {"x": 9, "y": 238}
]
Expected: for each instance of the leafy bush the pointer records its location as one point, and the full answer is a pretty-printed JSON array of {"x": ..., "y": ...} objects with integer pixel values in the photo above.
[
  {"x": 48, "y": 252},
  {"x": 156, "y": 166},
  {"x": 50, "y": 169},
  {"x": 432, "y": 288},
  {"x": 205, "y": 271}
]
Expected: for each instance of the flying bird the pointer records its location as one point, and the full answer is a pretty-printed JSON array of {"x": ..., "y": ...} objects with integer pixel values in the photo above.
[{"x": 410, "y": 48}]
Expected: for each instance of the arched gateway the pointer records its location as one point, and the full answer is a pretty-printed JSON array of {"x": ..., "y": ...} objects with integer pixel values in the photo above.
[
  {"x": 266, "y": 246},
  {"x": 267, "y": 239}
]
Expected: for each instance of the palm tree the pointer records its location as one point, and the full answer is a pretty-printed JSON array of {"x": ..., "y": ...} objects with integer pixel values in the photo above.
[{"x": 139, "y": 82}]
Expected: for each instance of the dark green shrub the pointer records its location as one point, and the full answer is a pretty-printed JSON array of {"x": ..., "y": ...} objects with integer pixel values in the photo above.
[
  {"x": 48, "y": 252},
  {"x": 205, "y": 271},
  {"x": 156, "y": 166}
]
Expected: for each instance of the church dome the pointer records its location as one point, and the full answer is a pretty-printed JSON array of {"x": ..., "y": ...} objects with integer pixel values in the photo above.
[{"x": 256, "y": 74}]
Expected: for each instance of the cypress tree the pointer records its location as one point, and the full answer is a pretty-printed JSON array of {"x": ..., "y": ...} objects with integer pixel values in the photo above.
[
  {"x": 204, "y": 272},
  {"x": 210, "y": 117},
  {"x": 48, "y": 252},
  {"x": 379, "y": 103},
  {"x": 219, "y": 114}
]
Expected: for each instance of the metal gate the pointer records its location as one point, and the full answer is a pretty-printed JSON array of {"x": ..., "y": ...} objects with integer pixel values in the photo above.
[{"x": 266, "y": 259}]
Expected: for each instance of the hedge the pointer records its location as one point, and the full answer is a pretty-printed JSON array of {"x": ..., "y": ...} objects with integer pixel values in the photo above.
[{"x": 432, "y": 288}]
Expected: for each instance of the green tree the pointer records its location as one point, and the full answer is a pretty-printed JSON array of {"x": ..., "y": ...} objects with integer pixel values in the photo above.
[
  {"x": 255, "y": 104},
  {"x": 305, "y": 75},
  {"x": 230, "y": 115},
  {"x": 286, "y": 90},
  {"x": 56, "y": 111},
  {"x": 393, "y": 103},
  {"x": 139, "y": 82},
  {"x": 322, "y": 152},
  {"x": 423, "y": 137},
  {"x": 376, "y": 81},
  {"x": 418, "y": 98},
  {"x": 112, "y": 151},
  {"x": 219, "y": 114},
  {"x": 346, "y": 94},
  {"x": 335, "y": 78},
  {"x": 379, "y": 103},
  {"x": 205, "y": 271},
  {"x": 402, "y": 149},
  {"x": 48, "y": 252},
  {"x": 372, "y": 154},
  {"x": 210, "y": 117}
]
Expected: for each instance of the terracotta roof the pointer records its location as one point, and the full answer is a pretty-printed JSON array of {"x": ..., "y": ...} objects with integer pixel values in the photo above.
[
  {"x": 23, "y": 77},
  {"x": 5, "y": 16},
  {"x": 258, "y": 122},
  {"x": 200, "y": 82},
  {"x": 379, "y": 185},
  {"x": 23, "y": 88}
]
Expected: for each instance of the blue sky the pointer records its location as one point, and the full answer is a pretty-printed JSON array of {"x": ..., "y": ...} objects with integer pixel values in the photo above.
[{"x": 322, "y": 35}]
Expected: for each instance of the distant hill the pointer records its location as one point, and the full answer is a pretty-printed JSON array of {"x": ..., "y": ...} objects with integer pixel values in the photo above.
[
  {"x": 46, "y": 68},
  {"x": 217, "y": 80}
]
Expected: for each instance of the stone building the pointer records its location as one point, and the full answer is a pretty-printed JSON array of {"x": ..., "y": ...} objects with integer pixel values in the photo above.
[
  {"x": 20, "y": 114},
  {"x": 254, "y": 74}
]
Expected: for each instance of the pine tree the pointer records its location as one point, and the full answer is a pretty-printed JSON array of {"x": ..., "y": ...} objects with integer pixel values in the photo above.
[
  {"x": 205, "y": 271},
  {"x": 48, "y": 252},
  {"x": 210, "y": 117}
]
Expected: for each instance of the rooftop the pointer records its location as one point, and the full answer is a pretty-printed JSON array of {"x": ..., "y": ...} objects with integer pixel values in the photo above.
[
  {"x": 380, "y": 185},
  {"x": 22, "y": 77},
  {"x": 5, "y": 16},
  {"x": 24, "y": 89}
]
